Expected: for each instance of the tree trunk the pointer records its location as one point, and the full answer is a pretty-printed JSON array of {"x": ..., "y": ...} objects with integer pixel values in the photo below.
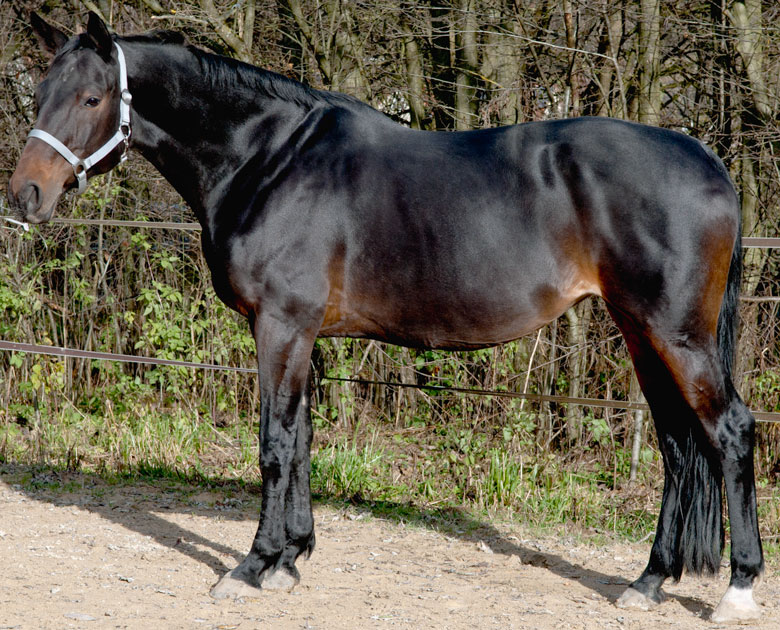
[
  {"x": 579, "y": 321},
  {"x": 338, "y": 51},
  {"x": 635, "y": 395},
  {"x": 572, "y": 103},
  {"x": 613, "y": 24},
  {"x": 504, "y": 65},
  {"x": 414, "y": 80},
  {"x": 467, "y": 57},
  {"x": 746, "y": 18},
  {"x": 649, "y": 102}
]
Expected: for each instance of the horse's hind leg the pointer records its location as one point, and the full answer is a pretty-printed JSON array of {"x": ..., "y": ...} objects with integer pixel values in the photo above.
[
  {"x": 675, "y": 425},
  {"x": 706, "y": 436},
  {"x": 734, "y": 433}
]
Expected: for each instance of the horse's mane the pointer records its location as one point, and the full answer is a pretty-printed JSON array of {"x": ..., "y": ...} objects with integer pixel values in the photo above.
[
  {"x": 225, "y": 73},
  {"x": 160, "y": 36},
  {"x": 156, "y": 36}
]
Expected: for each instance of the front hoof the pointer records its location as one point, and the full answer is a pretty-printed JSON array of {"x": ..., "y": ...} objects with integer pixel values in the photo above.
[
  {"x": 632, "y": 598},
  {"x": 737, "y": 605},
  {"x": 233, "y": 586}
]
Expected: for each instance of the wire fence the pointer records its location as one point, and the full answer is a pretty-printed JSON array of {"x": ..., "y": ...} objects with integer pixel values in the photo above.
[
  {"x": 12, "y": 346},
  {"x": 747, "y": 242}
]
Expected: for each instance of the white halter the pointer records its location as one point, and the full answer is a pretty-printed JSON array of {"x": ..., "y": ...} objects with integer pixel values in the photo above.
[{"x": 122, "y": 135}]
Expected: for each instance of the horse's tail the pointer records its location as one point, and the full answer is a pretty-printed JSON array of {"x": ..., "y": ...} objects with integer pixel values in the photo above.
[
  {"x": 694, "y": 473},
  {"x": 727, "y": 320}
]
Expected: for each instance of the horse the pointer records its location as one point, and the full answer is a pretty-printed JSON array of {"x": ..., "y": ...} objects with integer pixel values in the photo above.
[{"x": 323, "y": 217}]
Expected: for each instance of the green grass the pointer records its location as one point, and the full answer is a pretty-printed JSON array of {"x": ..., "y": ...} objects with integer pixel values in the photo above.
[
  {"x": 138, "y": 442},
  {"x": 347, "y": 470},
  {"x": 416, "y": 471}
]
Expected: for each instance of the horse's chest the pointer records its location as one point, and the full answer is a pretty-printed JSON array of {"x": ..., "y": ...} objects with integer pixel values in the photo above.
[{"x": 224, "y": 277}]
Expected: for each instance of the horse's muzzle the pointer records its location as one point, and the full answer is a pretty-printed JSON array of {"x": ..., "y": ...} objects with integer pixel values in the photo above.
[
  {"x": 36, "y": 185},
  {"x": 27, "y": 202}
]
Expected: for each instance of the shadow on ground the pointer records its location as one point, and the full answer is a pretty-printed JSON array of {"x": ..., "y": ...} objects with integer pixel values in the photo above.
[{"x": 135, "y": 504}]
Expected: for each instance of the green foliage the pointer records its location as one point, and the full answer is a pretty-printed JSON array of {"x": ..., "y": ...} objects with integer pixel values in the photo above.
[
  {"x": 343, "y": 469},
  {"x": 767, "y": 385},
  {"x": 503, "y": 483}
]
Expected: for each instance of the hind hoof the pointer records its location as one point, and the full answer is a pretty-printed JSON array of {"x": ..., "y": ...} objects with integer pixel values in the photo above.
[
  {"x": 632, "y": 598},
  {"x": 279, "y": 580},
  {"x": 233, "y": 586},
  {"x": 737, "y": 605}
]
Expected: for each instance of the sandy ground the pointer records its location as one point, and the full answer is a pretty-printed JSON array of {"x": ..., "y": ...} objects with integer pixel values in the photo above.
[{"x": 144, "y": 557}]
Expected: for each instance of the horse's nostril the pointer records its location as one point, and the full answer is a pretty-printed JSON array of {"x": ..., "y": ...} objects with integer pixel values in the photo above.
[{"x": 30, "y": 198}]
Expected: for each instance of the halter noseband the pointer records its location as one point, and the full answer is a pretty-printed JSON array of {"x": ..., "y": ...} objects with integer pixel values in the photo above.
[{"x": 122, "y": 135}]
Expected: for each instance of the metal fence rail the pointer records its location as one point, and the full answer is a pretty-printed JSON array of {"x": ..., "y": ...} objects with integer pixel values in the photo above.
[
  {"x": 13, "y": 346},
  {"x": 747, "y": 241}
]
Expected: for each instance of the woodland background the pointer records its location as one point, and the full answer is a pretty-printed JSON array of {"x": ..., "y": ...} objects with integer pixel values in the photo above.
[{"x": 708, "y": 68}]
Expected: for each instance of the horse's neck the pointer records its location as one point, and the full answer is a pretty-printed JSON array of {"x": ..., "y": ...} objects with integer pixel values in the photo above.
[{"x": 196, "y": 135}]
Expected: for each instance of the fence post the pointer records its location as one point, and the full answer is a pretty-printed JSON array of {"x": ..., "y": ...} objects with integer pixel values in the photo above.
[{"x": 635, "y": 395}]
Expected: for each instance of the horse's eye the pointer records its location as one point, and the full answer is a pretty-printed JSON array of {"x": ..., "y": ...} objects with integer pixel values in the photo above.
[{"x": 92, "y": 101}]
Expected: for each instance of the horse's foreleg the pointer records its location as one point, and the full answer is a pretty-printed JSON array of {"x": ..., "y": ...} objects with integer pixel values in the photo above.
[
  {"x": 286, "y": 527},
  {"x": 299, "y": 522}
]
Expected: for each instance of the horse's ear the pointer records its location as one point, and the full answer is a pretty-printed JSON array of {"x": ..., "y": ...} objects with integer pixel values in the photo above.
[
  {"x": 98, "y": 33},
  {"x": 49, "y": 37}
]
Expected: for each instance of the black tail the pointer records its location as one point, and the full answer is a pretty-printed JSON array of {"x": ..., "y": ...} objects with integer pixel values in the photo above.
[
  {"x": 691, "y": 521},
  {"x": 728, "y": 320},
  {"x": 700, "y": 498}
]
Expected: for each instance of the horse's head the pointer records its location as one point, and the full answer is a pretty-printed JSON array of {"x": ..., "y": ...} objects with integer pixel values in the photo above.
[{"x": 78, "y": 105}]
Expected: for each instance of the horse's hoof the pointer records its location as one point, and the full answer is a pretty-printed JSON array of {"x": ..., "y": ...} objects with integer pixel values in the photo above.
[
  {"x": 737, "y": 605},
  {"x": 632, "y": 598},
  {"x": 279, "y": 580},
  {"x": 233, "y": 587}
]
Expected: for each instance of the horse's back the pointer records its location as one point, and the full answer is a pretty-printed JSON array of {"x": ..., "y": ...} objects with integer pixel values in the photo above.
[{"x": 586, "y": 177}]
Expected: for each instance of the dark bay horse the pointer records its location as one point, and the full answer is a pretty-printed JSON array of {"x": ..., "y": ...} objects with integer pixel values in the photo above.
[{"x": 322, "y": 217}]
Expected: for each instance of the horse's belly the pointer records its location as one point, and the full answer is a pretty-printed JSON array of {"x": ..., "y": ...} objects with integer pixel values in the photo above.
[{"x": 476, "y": 319}]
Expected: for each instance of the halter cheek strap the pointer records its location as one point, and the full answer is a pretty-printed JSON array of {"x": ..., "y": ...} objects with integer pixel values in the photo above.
[{"x": 122, "y": 135}]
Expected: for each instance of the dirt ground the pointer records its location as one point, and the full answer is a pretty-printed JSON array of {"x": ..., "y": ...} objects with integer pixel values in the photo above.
[{"x": 143, "y": 557}]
